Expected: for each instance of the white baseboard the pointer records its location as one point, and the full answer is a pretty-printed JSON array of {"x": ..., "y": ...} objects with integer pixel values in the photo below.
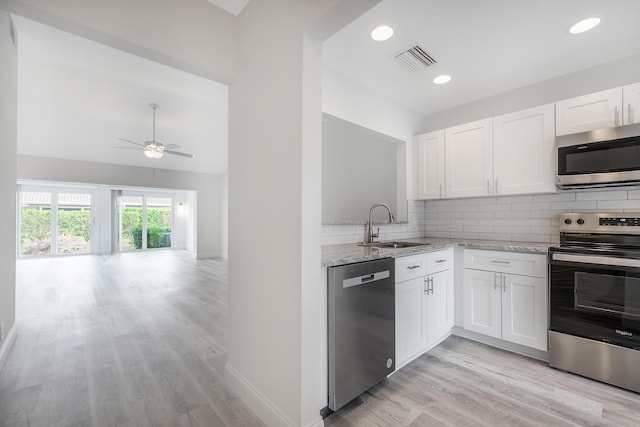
[
  {"x": 319, "y": 422},
  {"x": 207, "y": 256},
  {"x": 269, "y": 413},
  {"x": 7, "y": 343},
  {"x": 501, "y": 344}
]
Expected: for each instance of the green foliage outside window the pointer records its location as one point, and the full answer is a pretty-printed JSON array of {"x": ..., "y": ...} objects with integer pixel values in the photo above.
[{"x": 158, "y": 226}]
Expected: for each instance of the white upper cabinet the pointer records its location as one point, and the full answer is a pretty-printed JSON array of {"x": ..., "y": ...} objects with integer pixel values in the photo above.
[
  {"x": 469, "y": 159},
  {"x": 631, "y": 108},
  {"x": 523, "y": 152},
  {"x": 589, "y": 112},
  {"x": 430, "y": 165}
]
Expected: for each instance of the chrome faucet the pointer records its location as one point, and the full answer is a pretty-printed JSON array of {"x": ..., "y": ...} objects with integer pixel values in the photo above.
[{"x": 370, "y": 234}]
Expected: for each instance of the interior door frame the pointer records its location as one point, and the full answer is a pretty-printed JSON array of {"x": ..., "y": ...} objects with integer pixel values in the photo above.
[{"x": 145, "y": 194}]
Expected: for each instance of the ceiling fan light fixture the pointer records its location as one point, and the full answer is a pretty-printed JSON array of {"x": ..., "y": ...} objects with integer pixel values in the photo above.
[{"x": 153, "y": 149}]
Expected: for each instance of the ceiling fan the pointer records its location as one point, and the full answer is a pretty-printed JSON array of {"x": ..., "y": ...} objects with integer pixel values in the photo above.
[{"x": 155, "y": 149}]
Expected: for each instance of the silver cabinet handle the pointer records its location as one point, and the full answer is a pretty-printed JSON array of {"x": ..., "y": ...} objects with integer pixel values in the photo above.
[
  {"x": 496, "y": 187},
  {"x": 439, "y": 261},
  {"x": 495, "y": 280},
  {"x": 413, "y": 267},
  {"x": 488, "y": 186},
  {"x": 428, "y": 281},
  {"x": 504, "y": 283},
  {"x": 616, "y": 121},
  {"x": 629, "y": 119},
  {"x": 495, "y": 261},
  {"x": 441, "y": 191}
]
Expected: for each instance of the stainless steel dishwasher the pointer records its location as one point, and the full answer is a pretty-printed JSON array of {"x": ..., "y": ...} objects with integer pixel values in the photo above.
[{"x": 361, "y": 313}]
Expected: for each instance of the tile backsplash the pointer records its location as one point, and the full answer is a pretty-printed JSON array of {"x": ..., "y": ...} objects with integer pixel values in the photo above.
[
  {"x": 531, "y": 218},
  {"x": 338, "y": 234}
]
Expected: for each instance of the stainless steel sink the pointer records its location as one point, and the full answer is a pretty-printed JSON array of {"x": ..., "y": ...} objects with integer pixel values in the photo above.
[{"x": 393, "y": 244}]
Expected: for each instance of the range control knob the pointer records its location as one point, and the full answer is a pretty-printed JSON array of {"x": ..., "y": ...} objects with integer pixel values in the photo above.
[
  {"x": 580, "y": 221},
  {"x": 567, "y": 221}
]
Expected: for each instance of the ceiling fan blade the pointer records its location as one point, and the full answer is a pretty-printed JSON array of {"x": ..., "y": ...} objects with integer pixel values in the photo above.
[
  {"x": 179, "y": 153},
  {"x": 132, "y": 142},
  {"x": 171, "y": 147}
]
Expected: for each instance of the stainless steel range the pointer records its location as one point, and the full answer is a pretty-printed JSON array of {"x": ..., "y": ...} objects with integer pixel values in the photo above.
[{"x": 594, "y": 291}]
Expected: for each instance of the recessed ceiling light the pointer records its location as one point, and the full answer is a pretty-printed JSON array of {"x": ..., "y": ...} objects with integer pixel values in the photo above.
[
  {"x": 382, "y": 33},
  {"x": 444, "y": 78},
  {"x": 584, "y": 25}
]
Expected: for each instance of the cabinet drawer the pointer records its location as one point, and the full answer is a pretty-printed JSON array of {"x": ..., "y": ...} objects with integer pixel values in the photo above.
[
  {"x": 534, "y": 265},
  {"x": 410, "y": 267},
  {"x": 439, "y": 261}
]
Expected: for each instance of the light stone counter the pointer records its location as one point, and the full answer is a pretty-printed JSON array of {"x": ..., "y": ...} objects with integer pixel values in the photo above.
[{"x": 350, "y": 253}]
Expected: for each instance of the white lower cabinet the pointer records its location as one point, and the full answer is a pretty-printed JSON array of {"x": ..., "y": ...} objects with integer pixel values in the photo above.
[
  {"x": 500, "y": 302},
  {"x": 424, "y": 305}
]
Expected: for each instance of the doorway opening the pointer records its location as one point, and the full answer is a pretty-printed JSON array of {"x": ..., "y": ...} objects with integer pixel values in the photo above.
[{"x": 145, "y": 221}]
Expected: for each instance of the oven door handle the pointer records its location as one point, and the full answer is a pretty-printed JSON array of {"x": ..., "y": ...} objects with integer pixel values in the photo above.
[{"x": 594, "y": 259}]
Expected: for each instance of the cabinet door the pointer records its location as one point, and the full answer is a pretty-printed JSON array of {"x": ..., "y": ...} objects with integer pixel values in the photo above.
[
  {"x": 524, "y": 311},
  {"x": 589, "y": 112},
  {"x": 411, "y": 336},
  {"x": 430, "y": 152},
  {"x": 438, "y": 310},
  {"x": 482, "y": 302},
  {"x": 469, "y": 159},
  {"x": 523, "y": 152},
  {"x": 631, "y": 104}
]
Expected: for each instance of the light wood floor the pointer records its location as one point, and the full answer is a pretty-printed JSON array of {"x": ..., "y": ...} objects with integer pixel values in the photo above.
[
  {"x": 140, "y": 340},
  {"x": 464, "y": 383},
  {"x": 135, "y": 339}
]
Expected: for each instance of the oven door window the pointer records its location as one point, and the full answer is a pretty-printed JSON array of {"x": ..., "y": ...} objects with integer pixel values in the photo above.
[{"x": 617, "y": 296}]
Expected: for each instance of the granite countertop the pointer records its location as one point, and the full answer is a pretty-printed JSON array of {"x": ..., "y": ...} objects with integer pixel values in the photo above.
[{"x": 350, "y": 253}]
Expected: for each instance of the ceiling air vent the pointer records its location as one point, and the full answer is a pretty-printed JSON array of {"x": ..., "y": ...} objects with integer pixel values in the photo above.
[{"x": 415, "y": 58}]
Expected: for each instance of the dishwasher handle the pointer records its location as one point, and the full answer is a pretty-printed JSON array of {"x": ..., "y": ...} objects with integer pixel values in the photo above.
[{"x": 365, "y": 279}]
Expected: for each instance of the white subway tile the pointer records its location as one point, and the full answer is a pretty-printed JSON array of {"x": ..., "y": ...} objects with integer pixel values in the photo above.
[
  {"x": 438, "y": 234},
  {"x": 548, "y": 214},
  {"x": 538, "y": 238},
  {"x": 619, "y": 204},
  {"x": 495, "y": 236},
  {"x": 602, "y": 195},
  {"x": 633, "y": 194},
  {"x": 478, "y": 215},
  {"x": 512, "y": 215},
  {"x": 555, "y": 197},
  {"x": 479, "y": 228},
  {"x": 492, "y": 208},
  {"x": 509, "y": 200},
  {"x": 544, "y": 230},
  {"x": 531, "y": 222},
  {"x": 482, "y": 201},
  {"x": 574, "y": 206},
  {"x": 463, "y": 235},
  {"x": 511, "y": 229},
  {"x": 543, "y": 206}
]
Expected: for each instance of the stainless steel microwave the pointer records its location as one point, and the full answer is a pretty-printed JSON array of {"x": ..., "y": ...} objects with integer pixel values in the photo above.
[{"x": 599, "y": 164}]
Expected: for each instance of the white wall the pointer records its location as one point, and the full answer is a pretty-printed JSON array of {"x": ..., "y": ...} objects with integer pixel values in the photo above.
[
  {"x": 274, "y": 168},
  {"x": 208, "y": 186},
  {"x": 8, "y": 139},
  {"x": 191, "y": 35}
]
